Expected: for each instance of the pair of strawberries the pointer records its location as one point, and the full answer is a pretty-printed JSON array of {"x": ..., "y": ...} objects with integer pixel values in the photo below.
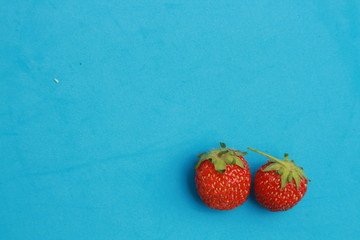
[{"x": 223, "y": 180}]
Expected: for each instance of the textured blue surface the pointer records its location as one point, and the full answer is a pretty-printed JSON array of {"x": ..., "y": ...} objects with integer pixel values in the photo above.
[{"x": 108, "y": 152}]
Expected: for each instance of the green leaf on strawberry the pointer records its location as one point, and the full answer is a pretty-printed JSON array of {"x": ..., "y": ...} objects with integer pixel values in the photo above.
[
  {"x": 288, "y": 170},
  {"x": 221, "y": 157}
]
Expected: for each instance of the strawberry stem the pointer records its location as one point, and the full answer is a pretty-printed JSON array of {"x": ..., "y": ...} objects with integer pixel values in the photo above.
[{"x": 267, "y": 155}]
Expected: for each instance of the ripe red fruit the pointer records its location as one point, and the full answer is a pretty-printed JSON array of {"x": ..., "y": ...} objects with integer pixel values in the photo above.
[
  {"x": 223, "y": 178},
  {"x": 280, "y": 184}
]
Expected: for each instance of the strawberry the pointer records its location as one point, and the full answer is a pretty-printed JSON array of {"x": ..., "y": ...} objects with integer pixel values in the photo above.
[
  {"x": 223, "y": 178},
  {"x": 280, "y": 184}
]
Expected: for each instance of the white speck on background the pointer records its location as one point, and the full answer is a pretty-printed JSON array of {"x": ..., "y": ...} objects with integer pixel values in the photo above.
[{"x": 56, "y": 80}]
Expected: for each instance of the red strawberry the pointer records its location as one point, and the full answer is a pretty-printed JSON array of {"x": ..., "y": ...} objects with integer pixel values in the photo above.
[
  {"x": 279, "y": 184},
  {"x": 223, "y": 178}
]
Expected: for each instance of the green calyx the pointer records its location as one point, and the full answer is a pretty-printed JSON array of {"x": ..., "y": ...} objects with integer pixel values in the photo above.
[
  {"x": 288, "y": 170},
  {"x": 221, "y": 157}
]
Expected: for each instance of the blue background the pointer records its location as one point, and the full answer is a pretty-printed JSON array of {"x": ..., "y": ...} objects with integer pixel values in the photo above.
[{"x": 108, "y": 152}]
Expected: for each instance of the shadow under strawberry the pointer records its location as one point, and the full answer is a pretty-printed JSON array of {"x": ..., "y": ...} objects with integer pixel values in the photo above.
[
  {"x": 253, "y": 201},
  {"x": 190, "y": 179}
]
